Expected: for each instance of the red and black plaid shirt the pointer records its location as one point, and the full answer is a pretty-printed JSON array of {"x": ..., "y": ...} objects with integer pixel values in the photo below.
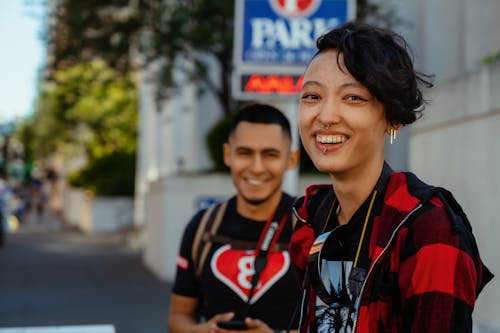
[{"x": 425, "y": 272}]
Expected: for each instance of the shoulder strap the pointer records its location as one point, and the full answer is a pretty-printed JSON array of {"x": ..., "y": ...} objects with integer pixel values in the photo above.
[{"x": 210, "y": 222}]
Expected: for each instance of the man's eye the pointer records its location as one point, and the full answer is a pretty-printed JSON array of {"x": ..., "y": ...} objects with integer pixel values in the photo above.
[{"x": 243, "y": 152}]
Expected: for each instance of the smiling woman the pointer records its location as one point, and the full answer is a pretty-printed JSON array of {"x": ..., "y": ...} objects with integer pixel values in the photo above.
[
  {"x": 379, "y": 250},
  {"x": 20, "y": 58}
]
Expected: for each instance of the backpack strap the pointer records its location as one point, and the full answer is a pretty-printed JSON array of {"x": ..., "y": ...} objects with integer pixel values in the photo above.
[{"x": 209, "y": 223}]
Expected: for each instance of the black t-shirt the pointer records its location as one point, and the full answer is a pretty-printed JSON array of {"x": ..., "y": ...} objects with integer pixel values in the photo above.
[
  {"x": 343, "y": 261},
  {"x": 225, "y": 278}
]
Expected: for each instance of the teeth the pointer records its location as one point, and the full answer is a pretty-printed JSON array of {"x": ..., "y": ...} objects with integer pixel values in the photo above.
[
  {"x": 330, "y": 138},
  {"x": 255, "y": 181}
]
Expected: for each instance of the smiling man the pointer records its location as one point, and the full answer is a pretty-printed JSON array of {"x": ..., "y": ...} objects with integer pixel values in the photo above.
[{"x": 234, "y": 264}]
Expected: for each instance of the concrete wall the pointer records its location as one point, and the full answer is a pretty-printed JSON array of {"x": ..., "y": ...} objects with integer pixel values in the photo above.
[
  {"x": 448, "y": 37},
  {"x": 97, "y": 214},
  {"x": 75, "y": 206},
  {"x": 456, "y": 145},
  {"x": 170, "y": 206}
]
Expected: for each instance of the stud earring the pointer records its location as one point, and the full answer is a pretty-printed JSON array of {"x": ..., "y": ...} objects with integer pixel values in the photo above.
[{"x": 392, "y": 135}]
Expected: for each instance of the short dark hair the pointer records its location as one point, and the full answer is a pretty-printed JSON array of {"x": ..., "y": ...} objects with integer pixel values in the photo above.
[
  {"x": 380, "y": 59},
  {"x": 261, "y": 114}
]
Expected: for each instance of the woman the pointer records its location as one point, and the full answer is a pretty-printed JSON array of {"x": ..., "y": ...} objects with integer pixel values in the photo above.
[{"x": 379, "y": 251}]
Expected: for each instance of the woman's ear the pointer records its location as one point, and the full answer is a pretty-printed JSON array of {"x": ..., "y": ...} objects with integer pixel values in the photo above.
[{"x": 392, "y": 131}]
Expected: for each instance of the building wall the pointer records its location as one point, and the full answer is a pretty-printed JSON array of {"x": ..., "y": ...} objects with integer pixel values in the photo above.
[
  {"x": 455, "y": 145},
  {"x": 449, "y": 37}
]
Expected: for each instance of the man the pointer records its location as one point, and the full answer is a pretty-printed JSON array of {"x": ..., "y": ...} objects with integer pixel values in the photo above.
[{"x": 256, "y": 223}]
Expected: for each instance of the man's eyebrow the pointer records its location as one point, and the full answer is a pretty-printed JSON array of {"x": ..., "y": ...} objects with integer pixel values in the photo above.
[
  {"x": 265, "y": 150},
  {"x": 271, "y": 150}
]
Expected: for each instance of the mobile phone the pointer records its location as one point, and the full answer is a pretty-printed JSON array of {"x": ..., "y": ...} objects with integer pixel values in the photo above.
[{"x": 237, "y": 325}]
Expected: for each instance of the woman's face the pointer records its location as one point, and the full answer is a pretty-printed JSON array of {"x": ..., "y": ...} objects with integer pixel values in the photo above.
[{"x": 342, "y": 126}]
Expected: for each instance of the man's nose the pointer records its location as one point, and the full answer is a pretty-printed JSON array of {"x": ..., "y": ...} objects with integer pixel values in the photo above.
[{"x": 257, "y": 164}]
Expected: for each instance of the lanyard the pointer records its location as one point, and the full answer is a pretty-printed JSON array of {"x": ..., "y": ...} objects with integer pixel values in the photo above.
[
  {"x": 356, "y": 275},
  {"x": 267, "y": 239}
]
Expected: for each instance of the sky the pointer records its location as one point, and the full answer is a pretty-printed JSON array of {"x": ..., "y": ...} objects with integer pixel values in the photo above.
[{"x": 21, "y": 56}]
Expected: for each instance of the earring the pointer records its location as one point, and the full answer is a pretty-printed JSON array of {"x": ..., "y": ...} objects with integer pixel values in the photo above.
[
  {"x": 392, "y": 135},
  {"x": 326, "y": 126}
]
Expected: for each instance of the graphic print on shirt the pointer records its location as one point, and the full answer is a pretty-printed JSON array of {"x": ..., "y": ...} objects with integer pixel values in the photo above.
[
  {"x": 235, "y": 269},
  {"x": 337, "y": 315}
]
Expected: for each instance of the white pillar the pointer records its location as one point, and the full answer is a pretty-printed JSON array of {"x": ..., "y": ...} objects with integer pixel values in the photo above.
[
  {"x": 291, "y": 177},
  {"x": 146, "y": 169}
]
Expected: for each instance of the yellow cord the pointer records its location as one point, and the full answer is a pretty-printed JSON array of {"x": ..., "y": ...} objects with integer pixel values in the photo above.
[
  {"x": 329, "y": 214},
  {"x": 364, "y": 228}
]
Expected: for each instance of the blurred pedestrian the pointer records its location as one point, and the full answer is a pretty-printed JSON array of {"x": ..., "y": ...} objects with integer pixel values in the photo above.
[
  {"x": 379, "y": 250},
  {"x": 37, "y": 198},
  {"x": 5, "y": 198},
  {"x": 233, "y": 270}
]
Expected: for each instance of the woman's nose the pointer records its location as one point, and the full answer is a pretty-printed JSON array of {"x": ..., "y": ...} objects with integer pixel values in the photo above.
[{"x": 329, "y": 113}]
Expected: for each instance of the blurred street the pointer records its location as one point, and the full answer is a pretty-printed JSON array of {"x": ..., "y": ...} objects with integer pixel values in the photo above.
[{"x": 52, "y": 275}]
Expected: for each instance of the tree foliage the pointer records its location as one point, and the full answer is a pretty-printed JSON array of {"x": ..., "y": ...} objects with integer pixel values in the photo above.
[
  {"x": 88, "y": 105},
  {"x": 84, "y": 30},
  {"x": 87, "y": 109},
  {"x": 87, "y": 102},
  {"x": 191, "y": 30}
]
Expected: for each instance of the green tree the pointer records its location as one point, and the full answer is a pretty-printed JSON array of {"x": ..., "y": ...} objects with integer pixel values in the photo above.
[
  {"x": 88, "y": 109},
  {"x": 193, "y": 30},
  {"x": 85, "y": 30}
]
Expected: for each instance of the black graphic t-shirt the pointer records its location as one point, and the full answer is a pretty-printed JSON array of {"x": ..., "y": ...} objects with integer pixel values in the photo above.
[
  {"x": 224, "y": 284},
  {"x": 340, "y": 269}
]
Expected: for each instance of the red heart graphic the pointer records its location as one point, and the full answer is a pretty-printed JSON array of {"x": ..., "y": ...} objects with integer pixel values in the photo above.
[{"x": 235, "y": 269}]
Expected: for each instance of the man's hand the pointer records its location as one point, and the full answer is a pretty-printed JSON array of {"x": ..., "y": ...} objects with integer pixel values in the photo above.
[
  {"x": 253, "y": 326},
  {"x": 183, "y": 318}
]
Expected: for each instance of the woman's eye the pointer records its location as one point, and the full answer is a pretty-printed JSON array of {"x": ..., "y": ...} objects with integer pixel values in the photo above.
[
  {"x": 355, "y": 98},
  {"x": 310, "y": 96}
]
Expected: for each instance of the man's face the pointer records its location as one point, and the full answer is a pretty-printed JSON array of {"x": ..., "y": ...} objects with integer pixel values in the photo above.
[{"x": 258, "y": 155}]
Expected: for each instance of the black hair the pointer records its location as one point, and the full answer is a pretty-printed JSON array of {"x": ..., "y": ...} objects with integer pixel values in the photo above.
[
  {"x": 261, "y": 114},
  {"x": 380, "y": 59}
]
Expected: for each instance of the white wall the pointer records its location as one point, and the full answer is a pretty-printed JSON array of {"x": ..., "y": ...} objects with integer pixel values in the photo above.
[
  {"x": 93, "y": 214},
  {"x": 456, "y": 146},
  {"x": 449, "y": 37},
  {"x": 170, "y": 206}
]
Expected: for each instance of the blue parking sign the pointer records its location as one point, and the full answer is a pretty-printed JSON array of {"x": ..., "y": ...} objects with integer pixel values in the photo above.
[
  {"x": 284, "y": 31},
  {"x": 275, "y": 39}
]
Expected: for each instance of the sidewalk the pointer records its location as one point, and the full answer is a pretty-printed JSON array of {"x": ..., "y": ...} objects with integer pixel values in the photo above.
[{"x": 52, "y": 275}]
